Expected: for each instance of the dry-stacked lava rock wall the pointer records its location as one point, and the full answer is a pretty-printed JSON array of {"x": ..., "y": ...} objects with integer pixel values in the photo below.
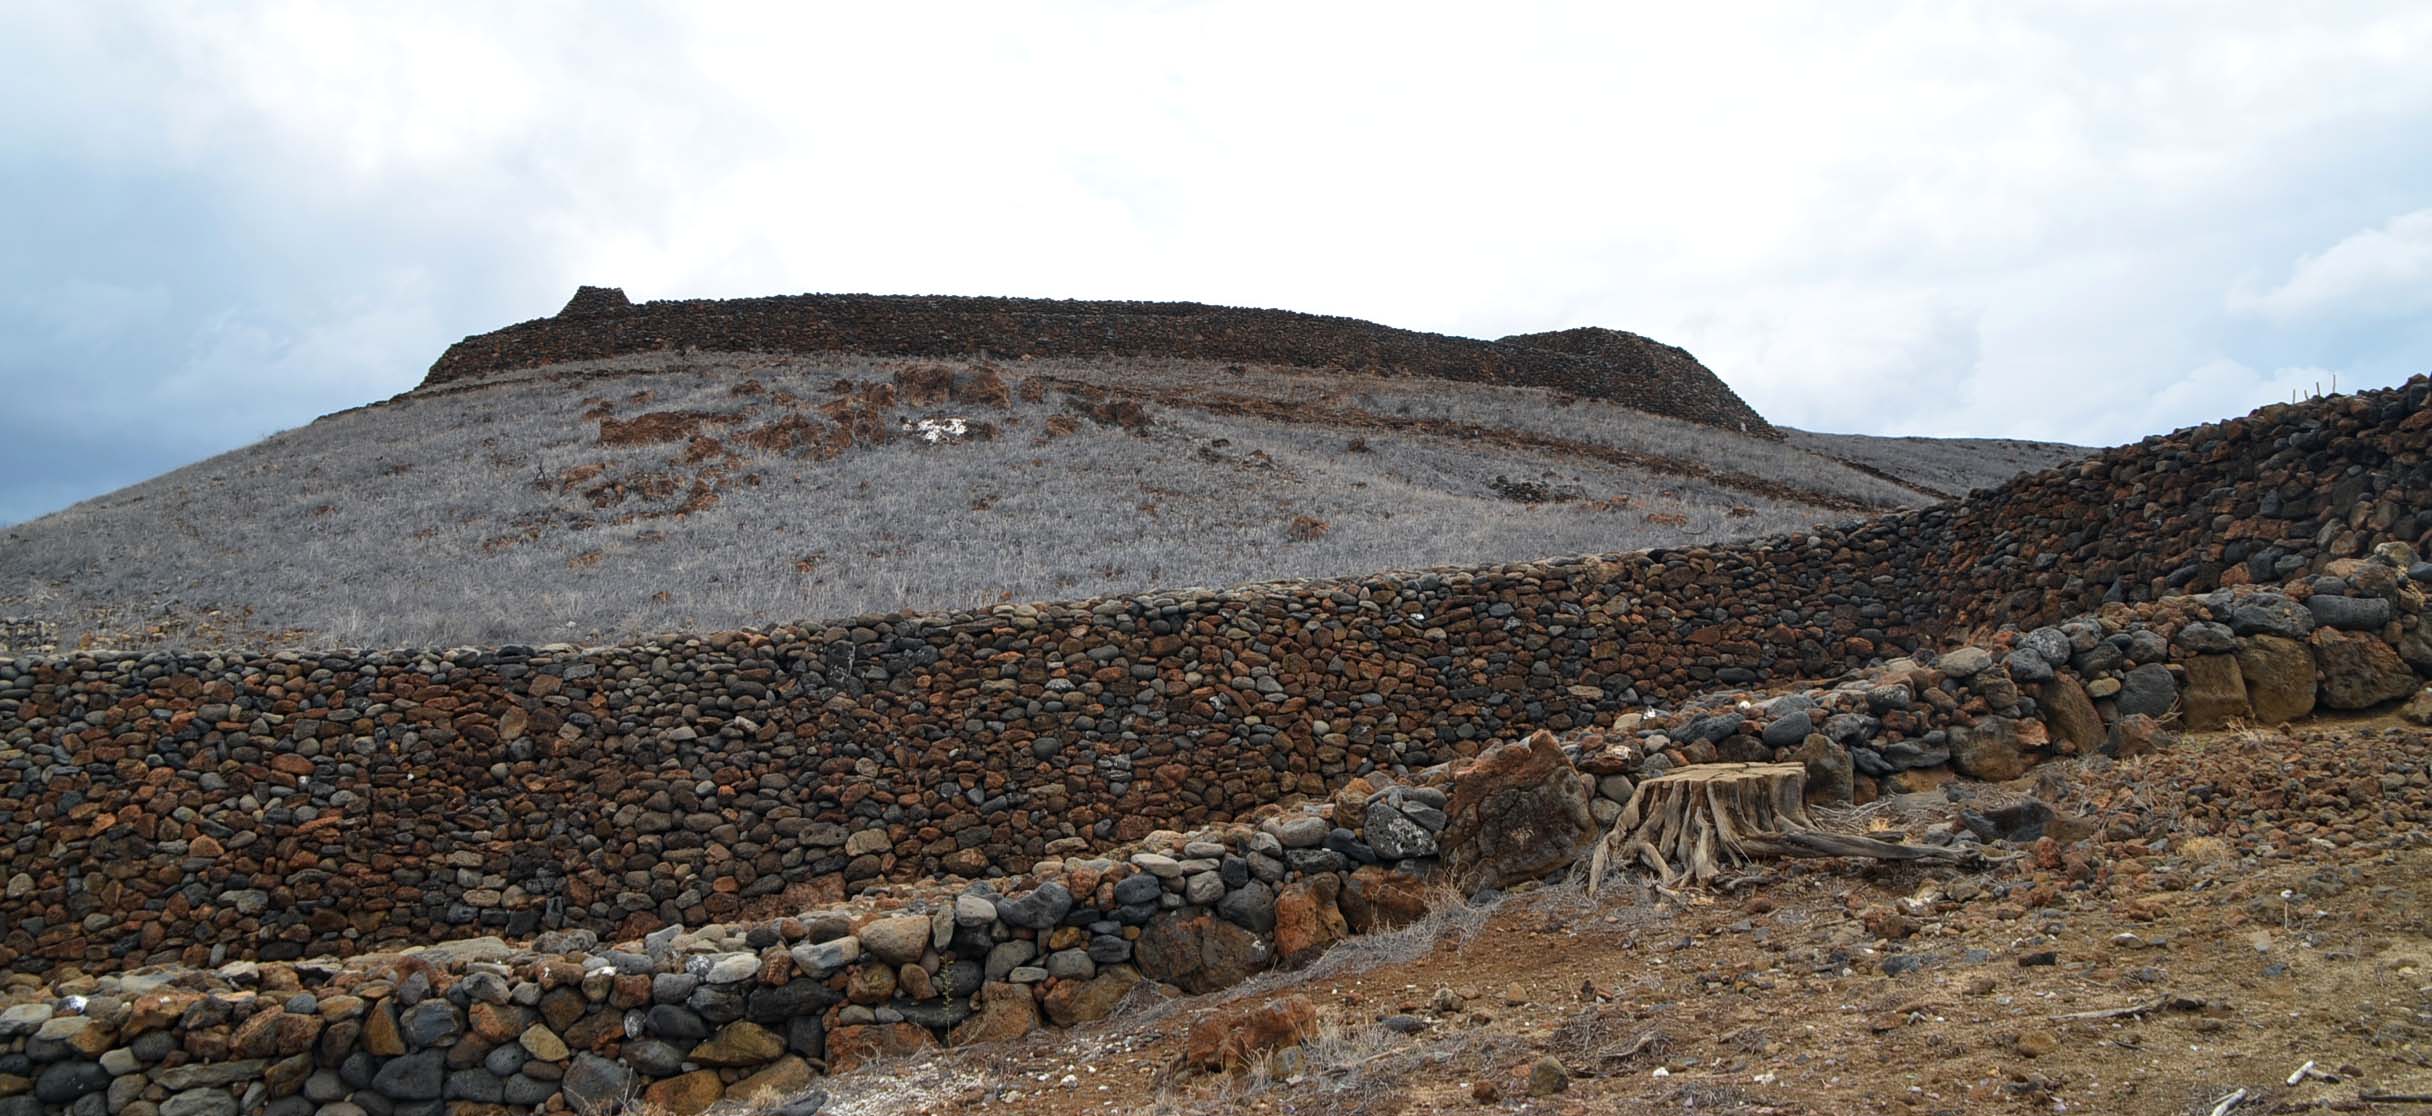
[
  {"x": 196, "y": 805},
  {"x": 1644, "y": 372},
  {"x": 748, "y": 1013},
  {"x": 600, "y": 322},
  {"x": 2251, "y": 500}
]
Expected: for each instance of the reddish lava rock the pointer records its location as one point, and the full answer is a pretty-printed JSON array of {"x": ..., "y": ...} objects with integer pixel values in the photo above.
[
  {"x": 853, "y": 1046},
  {"x": 1237, "y": 1036},
  {"x": 1518, "y": 811}
]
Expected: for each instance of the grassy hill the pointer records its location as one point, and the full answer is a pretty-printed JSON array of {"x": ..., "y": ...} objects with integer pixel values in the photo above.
[{"x": 648, "y": 493}]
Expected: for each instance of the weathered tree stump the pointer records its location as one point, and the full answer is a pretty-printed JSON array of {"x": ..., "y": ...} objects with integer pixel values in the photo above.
[{"x": 1694, "y": 822}]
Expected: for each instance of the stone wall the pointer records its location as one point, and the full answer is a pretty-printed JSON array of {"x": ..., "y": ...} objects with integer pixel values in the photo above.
[
  {"x": 202, "y": 806},
  {"x": 1604, "y": 364},
  {"x": 751, "y": 1011},
  {"x": 2251, "y": 500}
]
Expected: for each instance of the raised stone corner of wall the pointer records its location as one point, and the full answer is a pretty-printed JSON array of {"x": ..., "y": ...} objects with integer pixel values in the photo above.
[{"x": 593, "y": 302}]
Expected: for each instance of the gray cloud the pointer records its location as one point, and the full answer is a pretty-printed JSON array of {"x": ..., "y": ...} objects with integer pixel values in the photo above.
[{"x": 2080, "y": 223}]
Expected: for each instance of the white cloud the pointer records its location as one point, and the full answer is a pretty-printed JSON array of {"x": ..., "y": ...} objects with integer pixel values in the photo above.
[
  {"x": 2222, "y": 388},
  {"x": 1960, "y": 218},
  {"x": 2378, "y": 272},
  {"x": 86, "y": 311}
]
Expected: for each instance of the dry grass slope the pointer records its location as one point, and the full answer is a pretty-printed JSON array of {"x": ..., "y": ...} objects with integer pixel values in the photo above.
[
  {"x": 1953, "y": 466},
  {"x": 620, "y": 498}
]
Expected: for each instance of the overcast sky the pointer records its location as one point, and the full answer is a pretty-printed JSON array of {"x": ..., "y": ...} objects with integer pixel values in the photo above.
[{"x": 2072, "y": 222}]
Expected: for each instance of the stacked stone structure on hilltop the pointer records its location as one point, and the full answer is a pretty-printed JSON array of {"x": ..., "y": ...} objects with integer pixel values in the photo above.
[
  {"x": 595, "y": 302},
  {"x": 600, "y": 322},
  {"x": 1665, "y": 377}
]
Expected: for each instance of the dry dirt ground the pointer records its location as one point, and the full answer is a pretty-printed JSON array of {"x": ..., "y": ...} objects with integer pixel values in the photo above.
[{"x": 2263, "y": 899}]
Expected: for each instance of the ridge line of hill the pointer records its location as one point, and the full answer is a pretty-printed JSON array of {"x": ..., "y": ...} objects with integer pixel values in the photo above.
[{"x": 1612, "y": 365}]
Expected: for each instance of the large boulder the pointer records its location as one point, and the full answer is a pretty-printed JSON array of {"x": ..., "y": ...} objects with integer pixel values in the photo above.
[
  {"x": 1038, "y": 909},
  {"x": 2356, "y": 614},
  {"x": 1379, "y": 898},
  {"x": 2279, "y": 677},
  {"x": 686, "y": 1094},
  {"x": 1308, "y": 919},
  {"x": 276, "y": 1034},
  {"x": 2359, "y": 671},
  {"x": 1198, "y": 953},
  {"x": 1518, "y": 812},
  {"x": 1006, "y": 1012},
  {"x": 1996, "y": 749},
  {"x": 63, "y": 1083},
  {"x": 2134, "y": 735},
  {"x": 1394, "y": 835},
  {"x": 850, "y": 1047},
  {"x": 784, "y": 1079},
  {"x": 1086, "y": 1001},
  {"x": 2148, "y": 689},
  {"x": 2418, "y": 709},
  {"x": 898, "y": 940},
  {"x": 740, "y": 1043},
  {"x": 2216, "y": 693},
  {"x": 2270, "y": 614},
  {"x": 2070, "y": 715},
  {"x": 1966, "y": 662},
  {"x": 595, "y": 1086},
  {"x": 1241, "y": 1034},
  {"x": 419, "y": 1076},
  {"x": 1251, "y": 906},
  {"x": 2415, "y": 646},
  {"x": 1831, "y": 774}
]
